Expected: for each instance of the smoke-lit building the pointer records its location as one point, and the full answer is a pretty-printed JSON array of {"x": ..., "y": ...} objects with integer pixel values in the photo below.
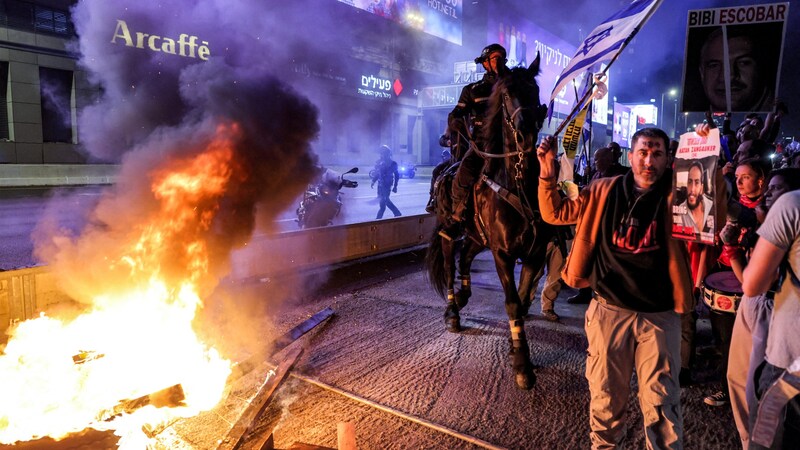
[
  {"x": 379, "y": 72},
  {"x": 40, "y": 84}
]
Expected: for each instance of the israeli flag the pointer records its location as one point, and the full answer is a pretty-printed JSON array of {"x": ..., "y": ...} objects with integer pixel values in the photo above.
[{"x": 608, "y": 39}]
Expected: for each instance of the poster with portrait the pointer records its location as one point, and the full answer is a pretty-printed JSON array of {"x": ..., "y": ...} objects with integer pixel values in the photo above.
[
  {"x": 733, "y": 58},
  {"x": 693, "y": 206}
]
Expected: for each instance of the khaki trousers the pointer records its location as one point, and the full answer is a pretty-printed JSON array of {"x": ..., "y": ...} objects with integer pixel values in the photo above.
[
  {"x": 748, "y": 350},
  {"x": 619, "y": 341},
  {"x": 552, "y": 283}
]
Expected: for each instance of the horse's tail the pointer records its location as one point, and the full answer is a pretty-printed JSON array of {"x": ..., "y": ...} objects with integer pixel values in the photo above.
[{"x": 434, "y": 261}]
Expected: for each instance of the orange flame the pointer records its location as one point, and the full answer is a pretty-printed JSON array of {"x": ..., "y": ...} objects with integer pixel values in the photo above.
[{"x": 59, "y": 377}]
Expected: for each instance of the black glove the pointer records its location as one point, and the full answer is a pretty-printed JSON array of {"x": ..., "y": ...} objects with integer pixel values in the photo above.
[{"x": 349, "y": 183}]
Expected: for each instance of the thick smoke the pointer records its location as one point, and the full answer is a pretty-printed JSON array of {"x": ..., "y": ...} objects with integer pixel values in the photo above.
[{"x": 156, "y": 107}]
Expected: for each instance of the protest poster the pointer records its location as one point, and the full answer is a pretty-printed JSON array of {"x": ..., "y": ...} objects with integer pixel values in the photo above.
[
  {"x": 694, "y": 206},
  {"x": 733, "y": 58}
]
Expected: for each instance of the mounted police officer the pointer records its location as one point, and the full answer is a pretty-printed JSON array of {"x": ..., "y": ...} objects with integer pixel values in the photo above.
[{"x": 466, "y": 120}]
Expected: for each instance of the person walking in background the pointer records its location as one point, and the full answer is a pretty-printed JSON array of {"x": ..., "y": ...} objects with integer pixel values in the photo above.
[
  {"x": 641, "y": 282},
  {"x": 387, "y": 176}
]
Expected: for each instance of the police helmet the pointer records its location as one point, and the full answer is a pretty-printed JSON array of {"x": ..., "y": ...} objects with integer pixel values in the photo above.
[
  {"x": 385, "y": 151},
  {"x": 488, "y": 50}
]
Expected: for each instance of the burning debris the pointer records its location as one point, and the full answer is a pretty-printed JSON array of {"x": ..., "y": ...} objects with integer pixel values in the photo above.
[{"x": 203, "y": 146}]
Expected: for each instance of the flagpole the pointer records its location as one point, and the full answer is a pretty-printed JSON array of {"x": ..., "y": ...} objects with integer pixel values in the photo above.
[
  {"x": 589, "y": 92},
  {"x": 625, "y": 43}
]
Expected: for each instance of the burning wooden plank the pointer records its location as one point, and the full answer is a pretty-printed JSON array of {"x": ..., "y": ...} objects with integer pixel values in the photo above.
[
  {"x": 170, "y": 397},
  {"x": 259, "y": 403},
  {"x": 246, "y": 366}
]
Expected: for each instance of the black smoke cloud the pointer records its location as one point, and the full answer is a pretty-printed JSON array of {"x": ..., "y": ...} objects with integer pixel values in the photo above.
[{"x": 156, "y": 107}]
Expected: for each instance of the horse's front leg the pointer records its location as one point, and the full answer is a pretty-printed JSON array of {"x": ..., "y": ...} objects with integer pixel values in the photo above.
[
  {"x": 452, "y": 320},
  {"x": 519, "y": 352},
  {"x": 469, "y": 251},
  {"x": 528, "y": 280}
]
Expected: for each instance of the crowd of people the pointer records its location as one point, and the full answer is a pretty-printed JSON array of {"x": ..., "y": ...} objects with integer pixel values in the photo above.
[
  {"x": 623, "y": 257},
  {"x": 645, "y": 288}
]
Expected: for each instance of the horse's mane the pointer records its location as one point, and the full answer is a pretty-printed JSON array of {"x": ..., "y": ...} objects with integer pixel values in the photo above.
[{"x": 520, "y": 83}]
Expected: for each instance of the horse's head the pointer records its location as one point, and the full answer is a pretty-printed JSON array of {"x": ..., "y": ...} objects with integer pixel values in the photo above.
[{"x": 515, "y": 115}]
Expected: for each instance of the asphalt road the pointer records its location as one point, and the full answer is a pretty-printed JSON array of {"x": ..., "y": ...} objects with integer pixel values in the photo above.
[
  {"x": 385, "y": 363},
  {"x": 387, "y": 344}
]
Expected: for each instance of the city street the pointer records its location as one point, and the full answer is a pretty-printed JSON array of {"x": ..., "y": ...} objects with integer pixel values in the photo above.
[
  {"x": 21, "y": 209},
  {"x": 385, "y": 363}
]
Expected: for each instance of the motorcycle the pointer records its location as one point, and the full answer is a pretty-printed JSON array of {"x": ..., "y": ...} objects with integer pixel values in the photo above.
[
  {"x": 322, "y": 201},
  {"x": 407, "y": 170}
]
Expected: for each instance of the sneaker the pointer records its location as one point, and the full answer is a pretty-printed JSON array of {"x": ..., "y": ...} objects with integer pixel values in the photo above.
[
  {"x": 550, "y": 315},
  {"x": 718, "y": 398}
]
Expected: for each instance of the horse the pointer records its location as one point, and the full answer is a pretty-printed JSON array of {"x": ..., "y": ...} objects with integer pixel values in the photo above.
[{"x": 506, "y": 218}]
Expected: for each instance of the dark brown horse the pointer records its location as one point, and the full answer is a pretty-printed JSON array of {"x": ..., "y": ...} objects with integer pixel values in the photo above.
[{"x": 506, "y": 218}]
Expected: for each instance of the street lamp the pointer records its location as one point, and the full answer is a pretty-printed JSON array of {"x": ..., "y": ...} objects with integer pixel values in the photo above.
[{"x": 671, "y": 93}]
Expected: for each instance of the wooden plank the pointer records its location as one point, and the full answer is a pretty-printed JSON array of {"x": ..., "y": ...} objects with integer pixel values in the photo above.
[
  {"x": 247, "y": 365},
  {"x": 298, "y": 331},
  {"x": 346, "y": 436},
  {"x": 259, "y": 403}
]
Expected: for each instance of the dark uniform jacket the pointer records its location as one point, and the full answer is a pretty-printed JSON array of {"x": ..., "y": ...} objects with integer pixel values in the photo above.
[{"x": 467, "y": 117}]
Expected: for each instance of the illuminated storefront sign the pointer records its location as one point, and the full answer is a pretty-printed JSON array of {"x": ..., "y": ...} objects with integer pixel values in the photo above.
[
  {"x": 380, "y": 87},
  {"x": 439, "y": 96},
  {"x": 625, "y": 124},
  {"x": 466, "y": 72},
  {"x": 185, "y": 45}
]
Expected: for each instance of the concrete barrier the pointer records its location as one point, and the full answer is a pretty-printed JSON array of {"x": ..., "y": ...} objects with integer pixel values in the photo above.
[
  {"x": 24, "y": 293},
  {"x": 28, "y": 175}
]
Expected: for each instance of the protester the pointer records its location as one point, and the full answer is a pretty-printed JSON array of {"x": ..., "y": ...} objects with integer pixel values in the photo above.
[
  {"x": 387, "y": 176},
  {"x": 778, "y": 247},
  {"x": 750, "y": 176},
  {"x": 748, "y": 342},
  {"x": 606, "y": 164},
  {"x": 641, "y": 282}
]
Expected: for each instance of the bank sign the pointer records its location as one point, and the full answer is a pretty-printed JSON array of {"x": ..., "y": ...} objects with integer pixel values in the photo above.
[{"x": 375, "y": 86}]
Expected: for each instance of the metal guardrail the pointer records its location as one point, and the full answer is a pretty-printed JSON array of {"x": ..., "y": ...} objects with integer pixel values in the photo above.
[{"x": 24, "y": 293}]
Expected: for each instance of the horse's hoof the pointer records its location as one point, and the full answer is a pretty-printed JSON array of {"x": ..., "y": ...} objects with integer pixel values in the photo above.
[
  {"x": 453, "y": 324},
  {"x": 525, "y": 380}
]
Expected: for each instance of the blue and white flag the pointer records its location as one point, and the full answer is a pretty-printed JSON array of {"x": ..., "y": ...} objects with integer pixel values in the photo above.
[{"x": 606, "y": 40}]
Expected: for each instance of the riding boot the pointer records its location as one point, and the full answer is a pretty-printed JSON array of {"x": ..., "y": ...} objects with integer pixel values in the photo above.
[
  {"x": 460, "y": 197},
  {"x": 430, "y": 208},
  {"x": 466, "y": 176}
]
